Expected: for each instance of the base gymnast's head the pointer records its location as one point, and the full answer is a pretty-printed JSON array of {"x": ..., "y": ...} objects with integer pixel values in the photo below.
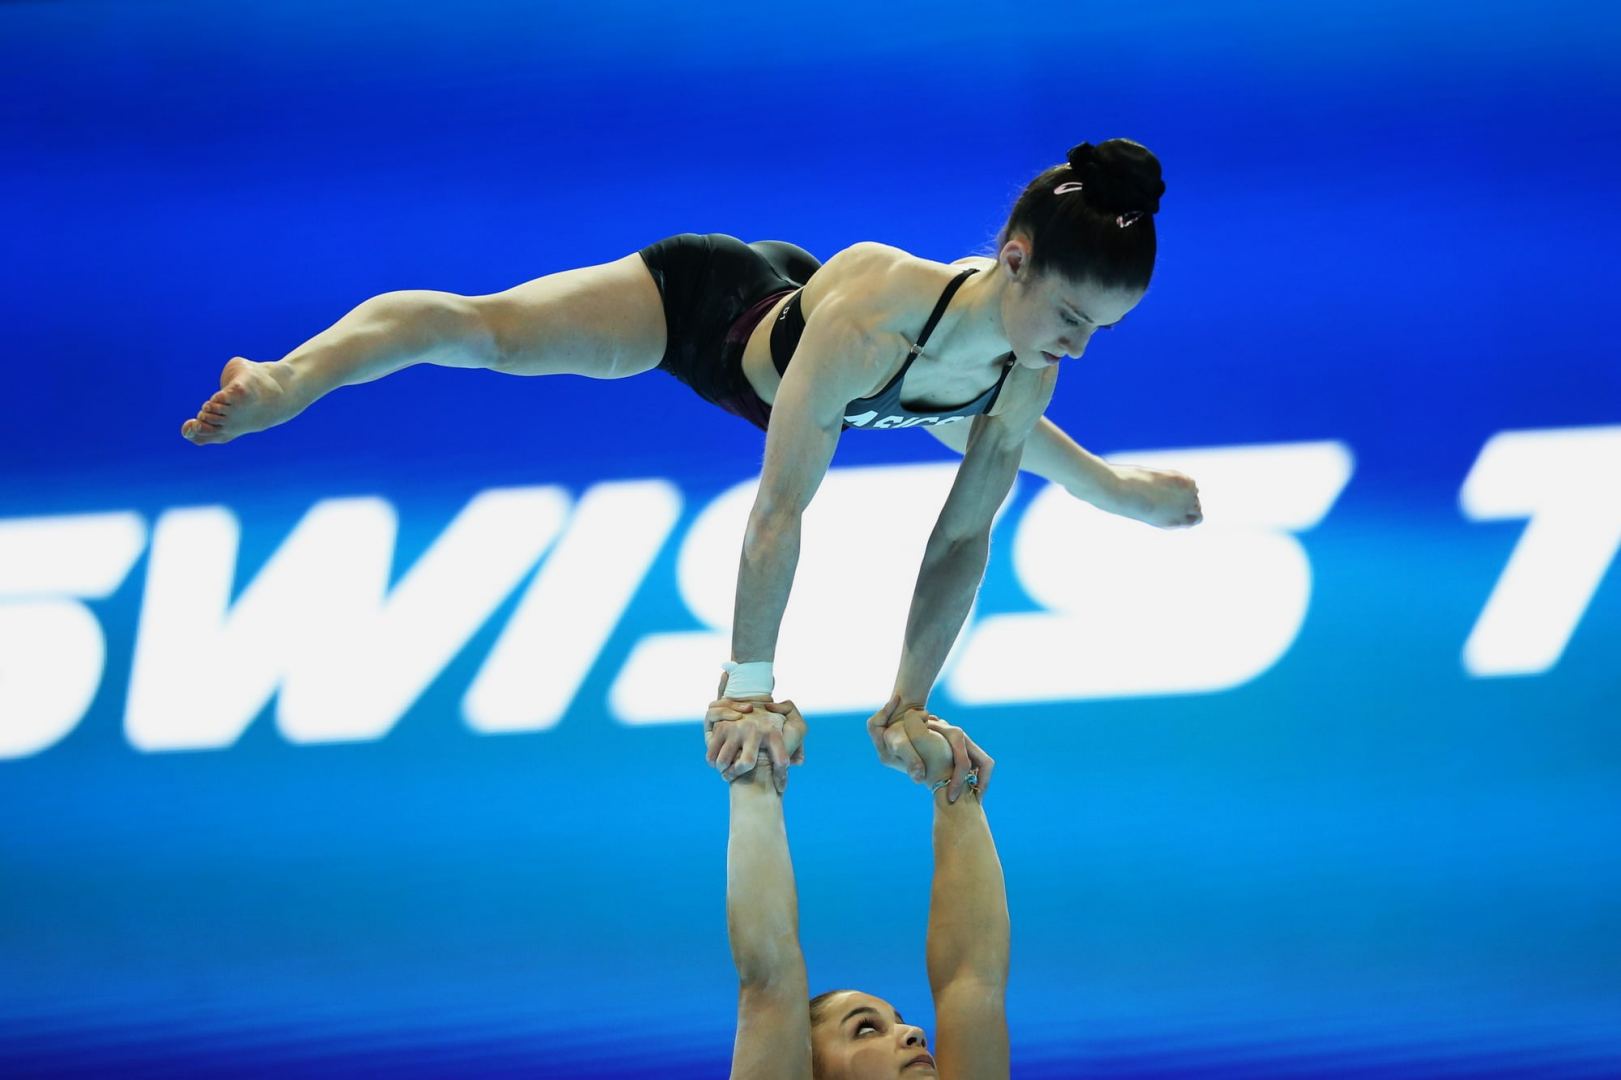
[{"x": 856, "y": 1036}]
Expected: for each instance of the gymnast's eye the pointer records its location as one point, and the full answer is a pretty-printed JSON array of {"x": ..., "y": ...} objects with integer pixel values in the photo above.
[
  {"x": 863, "y": 1024},
  {"x": 1072, "y": 320}
]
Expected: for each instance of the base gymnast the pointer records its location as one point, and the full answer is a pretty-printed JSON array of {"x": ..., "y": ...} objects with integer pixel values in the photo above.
[
  {"x": 782, "y": 1032},
  {"x": 876, "y": 338}
]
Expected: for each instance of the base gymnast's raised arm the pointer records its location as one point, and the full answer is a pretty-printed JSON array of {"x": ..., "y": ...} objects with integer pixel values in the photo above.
[{"x": 782, "y": 1032}]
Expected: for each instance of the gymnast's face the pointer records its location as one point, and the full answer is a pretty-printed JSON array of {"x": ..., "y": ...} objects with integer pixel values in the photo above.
[
  {"x": 1047, "y": 317},
  {"x": 861, "y": 1037}
]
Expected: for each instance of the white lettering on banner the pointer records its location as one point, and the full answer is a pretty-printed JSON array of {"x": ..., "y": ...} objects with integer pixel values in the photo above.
[
  {"x": 318, "y": 620},
  {"x": 52, "y": 649},
  {"x": 862, "y": 539},
  {"x": 1134, "y": 611},
  {"x": 82, "y": 555},
  {"x": 1565, "y": 482},
  {"x": 571, "y": 607},
  {"x": 1127, "y": 610}
]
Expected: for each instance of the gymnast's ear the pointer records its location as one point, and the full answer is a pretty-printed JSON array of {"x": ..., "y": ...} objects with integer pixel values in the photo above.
[{"x": 1016, "y": 253}]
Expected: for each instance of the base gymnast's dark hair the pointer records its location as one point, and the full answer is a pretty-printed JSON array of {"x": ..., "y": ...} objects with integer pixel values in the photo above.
[
  {"x": 818, "y": 1005},
  {"x": 1092, "y": 218}
]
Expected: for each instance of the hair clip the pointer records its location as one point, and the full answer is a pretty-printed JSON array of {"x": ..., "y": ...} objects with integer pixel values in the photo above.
[
  {"x": 1067, "y": 187},
  {"x": 1129, "y": 218}
]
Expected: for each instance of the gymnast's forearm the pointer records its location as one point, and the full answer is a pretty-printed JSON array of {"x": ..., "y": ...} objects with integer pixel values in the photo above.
[
  {"x": 765, "y": 576},
  {"x": 968, "y": 918},
  {"x": 1052, "y": 455},
  {"x": 387, "y": 333},
  {"x": 946, "y": 584},
  {"x": 762, "y": 907}
]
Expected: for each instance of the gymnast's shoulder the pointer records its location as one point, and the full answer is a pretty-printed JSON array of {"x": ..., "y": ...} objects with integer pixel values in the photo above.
[{"x": 890, "y": 288}]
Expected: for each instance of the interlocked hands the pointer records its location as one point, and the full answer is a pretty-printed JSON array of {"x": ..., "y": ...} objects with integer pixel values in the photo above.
[
  {"x": 740, "y": 735},
  {"x": 915, "y": 741}
]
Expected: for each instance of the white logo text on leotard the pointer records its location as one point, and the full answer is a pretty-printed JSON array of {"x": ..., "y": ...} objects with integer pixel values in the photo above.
[{"x": 870, "y": 419}]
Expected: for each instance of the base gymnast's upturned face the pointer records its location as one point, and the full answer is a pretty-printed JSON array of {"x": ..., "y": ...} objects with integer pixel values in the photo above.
[
  {"x": 1047, "y": 317},
  {"x": 861, "y": 1037}
]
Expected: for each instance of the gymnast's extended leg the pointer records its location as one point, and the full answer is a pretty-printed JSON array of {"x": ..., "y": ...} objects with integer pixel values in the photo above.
[{"x": 604, "y": 322}]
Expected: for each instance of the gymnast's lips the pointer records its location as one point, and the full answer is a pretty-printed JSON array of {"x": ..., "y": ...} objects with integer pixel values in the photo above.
[
  {"x": 921, "y": 1059},
  {"x": 1050, "y": 358}
]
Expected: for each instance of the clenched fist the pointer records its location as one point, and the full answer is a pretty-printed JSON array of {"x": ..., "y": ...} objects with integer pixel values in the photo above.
[{"x": 1159, "y": 497}]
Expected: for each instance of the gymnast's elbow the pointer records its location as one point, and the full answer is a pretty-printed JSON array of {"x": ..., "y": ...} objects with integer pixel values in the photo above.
[
  {"x": 769, "y": 529},
  {"x": 767, "y": 960}
]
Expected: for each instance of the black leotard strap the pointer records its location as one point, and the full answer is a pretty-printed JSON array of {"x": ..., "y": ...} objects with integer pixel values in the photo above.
[
  {"x": 791, "y": 324},
  {"x": 940, "y": 308}
]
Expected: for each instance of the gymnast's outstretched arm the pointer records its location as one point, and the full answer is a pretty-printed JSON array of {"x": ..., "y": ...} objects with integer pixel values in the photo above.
[
  {"x": 1157, "y": 496},
  {"x": 955, "y": 556},
  {"x": 835, "y": 359},
  {"x": 969, "y": 930},
  {"x": 762, "y": 905}
]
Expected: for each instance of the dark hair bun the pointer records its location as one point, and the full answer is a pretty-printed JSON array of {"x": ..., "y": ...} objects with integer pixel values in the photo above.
[{"x": 1118, "y": 176}]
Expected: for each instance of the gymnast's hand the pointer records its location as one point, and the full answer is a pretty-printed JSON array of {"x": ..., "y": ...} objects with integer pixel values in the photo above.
[
  {"x": 925, "y": 747},
  {"x": 738, "y": 735},
  {"x": 1159, "y": 497}
]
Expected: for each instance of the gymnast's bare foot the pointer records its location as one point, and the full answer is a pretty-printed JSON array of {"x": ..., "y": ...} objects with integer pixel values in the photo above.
[{"x": 252, "y": 397}]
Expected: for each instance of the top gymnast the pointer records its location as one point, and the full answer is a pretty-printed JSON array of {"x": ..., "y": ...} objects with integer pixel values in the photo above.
[{"x": 877, "y": 338}]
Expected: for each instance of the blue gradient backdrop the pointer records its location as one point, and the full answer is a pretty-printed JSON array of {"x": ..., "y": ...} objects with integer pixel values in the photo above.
[{"x": 1388, "y": 224}]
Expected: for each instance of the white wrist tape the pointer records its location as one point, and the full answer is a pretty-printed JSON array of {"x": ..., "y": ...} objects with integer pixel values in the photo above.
[{"x": 748, "y": 680}]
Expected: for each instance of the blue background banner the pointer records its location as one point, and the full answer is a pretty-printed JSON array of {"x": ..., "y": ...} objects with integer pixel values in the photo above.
[{"x": 1327, "y": 786}]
